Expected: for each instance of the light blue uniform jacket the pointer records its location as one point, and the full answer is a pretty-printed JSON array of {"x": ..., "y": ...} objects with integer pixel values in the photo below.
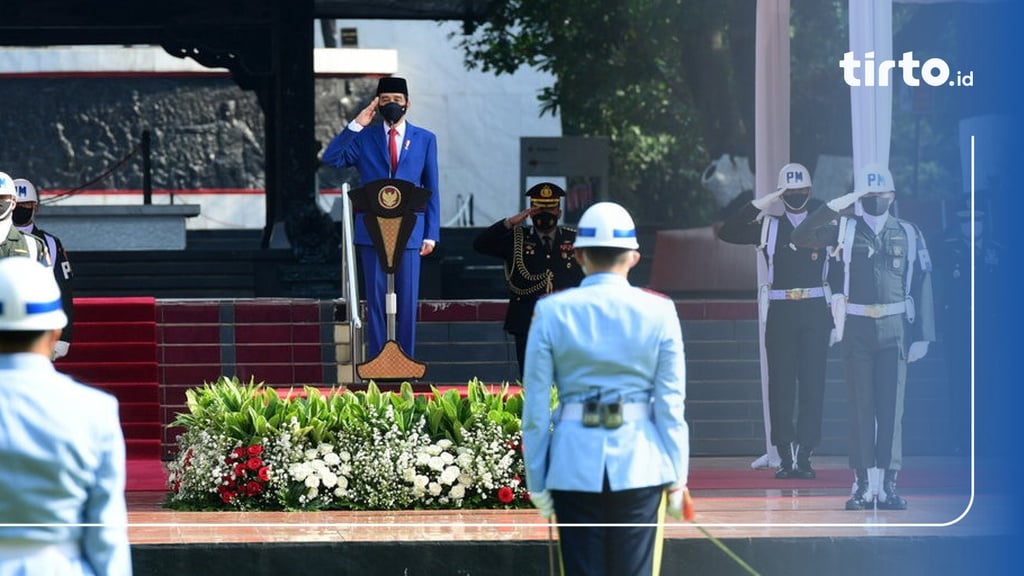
[
  {"x": 62, "y": 462},
  {"x": 626, "y": 342}
]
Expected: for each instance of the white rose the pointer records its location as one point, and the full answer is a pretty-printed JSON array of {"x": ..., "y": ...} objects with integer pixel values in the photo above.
[
  {"x": 436, "y": 463},
  {"x": 345, "y": 456},
  {"x": 329, "y": 480},
  {"x": 449, "y": 475},
  {"x": 420, "y": 482},
  {"x": 312, "y": 481},
  {"x": 434, "y": 488},
  {"x": 444, "y": 443},
  {"x": 433, "y": 449},
  {"x": 332, "y": 459},
  {"x": 448, "y": 458},
  {"x": 311, "y": 454},
  {"x": 458, "y": 492}
]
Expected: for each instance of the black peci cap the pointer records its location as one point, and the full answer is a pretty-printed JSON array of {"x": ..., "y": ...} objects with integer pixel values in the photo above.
[{"x": 392, "y": 85}]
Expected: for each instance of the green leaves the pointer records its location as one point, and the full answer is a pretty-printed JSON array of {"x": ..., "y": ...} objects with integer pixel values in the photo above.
[{"x": 248, "y": 412}]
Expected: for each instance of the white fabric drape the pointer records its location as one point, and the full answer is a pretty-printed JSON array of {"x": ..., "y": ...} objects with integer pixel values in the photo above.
[
  {"x": 871, "y": 106},
  {"x": 771, "y": 135}
]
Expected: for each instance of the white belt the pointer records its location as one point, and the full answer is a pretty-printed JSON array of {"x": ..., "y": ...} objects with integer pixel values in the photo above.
[
  {"x": 23, "y": 549},
  {"x": 630, "y": 412},
  {"x": 797, "y": 293},
  {"x": 876, "y": 310}
]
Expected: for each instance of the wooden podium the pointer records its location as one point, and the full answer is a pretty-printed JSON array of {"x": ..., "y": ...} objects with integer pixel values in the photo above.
[{"x": 388, "y": 208}]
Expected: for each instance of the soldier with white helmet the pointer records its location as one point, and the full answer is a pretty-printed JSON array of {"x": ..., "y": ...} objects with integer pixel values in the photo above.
[
  {"x": 27, "y": 198},
  {"x": 887, "y": 295},
  {"x": 618, "y": 439},
  {"x": 794, "y": 305},
  {"x": 63, "y": 473},
  {"x": 14, "y": 242}
]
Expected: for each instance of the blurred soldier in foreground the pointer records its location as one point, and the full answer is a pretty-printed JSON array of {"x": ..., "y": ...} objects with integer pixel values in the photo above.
[
  {"x": 618, "y": 443},
  {"x": 62, "y": 476}
]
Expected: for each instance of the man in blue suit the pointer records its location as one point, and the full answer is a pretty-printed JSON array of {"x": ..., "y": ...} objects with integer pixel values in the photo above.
[{"x": 397, "y": 149}]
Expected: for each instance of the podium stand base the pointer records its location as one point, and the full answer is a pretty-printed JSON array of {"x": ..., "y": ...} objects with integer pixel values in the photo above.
[{"x": 391, "y": 364}]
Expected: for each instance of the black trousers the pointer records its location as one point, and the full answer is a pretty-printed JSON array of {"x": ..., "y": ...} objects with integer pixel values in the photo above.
[
  {"x": 610, "y": 551},
  {"x": 876, "y": 375},
  {"x": 796, "y": 346}
]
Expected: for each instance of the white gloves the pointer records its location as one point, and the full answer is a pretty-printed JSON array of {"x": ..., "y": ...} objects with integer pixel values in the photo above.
[
  {"x": 844, "y": 201},
  {"x": 60, "y": 350},
  {"x": 767, "y": 200},
  {"x": 917, "y": 351},
  {"x": 680, "y": 505},
  {"x": 675, "y": 502},
  {"x": 838, "y": 318},
  {"x": 543, "y": 502}
]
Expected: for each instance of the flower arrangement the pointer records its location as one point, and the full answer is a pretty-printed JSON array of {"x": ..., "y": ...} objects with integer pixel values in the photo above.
[{"x": 246, "y": 448}]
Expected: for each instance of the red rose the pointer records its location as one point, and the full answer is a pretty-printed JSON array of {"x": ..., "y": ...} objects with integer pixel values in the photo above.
[
  {"x": 253, "y": 488},
  {"x": 226, "y": 495},
  {"x": 255, "y": 450},
  {"x": 240, "y": 470},
  {"x": 506, "y": 495},
  {"x": 254, "y": 464},
  {"x": 264, "y": 474},
  {"x": 238, "y": 452}
]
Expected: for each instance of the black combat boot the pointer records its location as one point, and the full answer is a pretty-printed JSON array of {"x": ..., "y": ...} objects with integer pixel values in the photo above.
[
  {"x": 861, "y": 499},
  {"x": 803, "y": 464},
  {"x": 892, "y": 499},
  {"x": 785, "y": 469}
]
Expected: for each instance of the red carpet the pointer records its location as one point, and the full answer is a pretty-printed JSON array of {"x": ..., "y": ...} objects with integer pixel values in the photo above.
[
  {"x": 114, "y": 349},
  {"x": 146, "y": 475}
]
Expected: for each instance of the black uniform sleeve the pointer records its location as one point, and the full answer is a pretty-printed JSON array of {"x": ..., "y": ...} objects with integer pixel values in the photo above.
[
  {"x": 491, "y": 241},
  {"x": 741, "y": 227},
  {"x": 64, "y": 275},
  {"x": 817, "y": 230}
]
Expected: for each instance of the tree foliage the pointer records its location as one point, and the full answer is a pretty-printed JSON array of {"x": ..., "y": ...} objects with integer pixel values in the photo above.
[
  {"x": 655, "y": 76},
  {"x": 671, "y": 83}
]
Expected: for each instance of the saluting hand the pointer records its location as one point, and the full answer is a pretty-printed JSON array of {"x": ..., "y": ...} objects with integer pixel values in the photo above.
[
  {"x": 513, "y": 221},
  {"x": 767, "y": 200},
  {"x": 366, "y": 115}
]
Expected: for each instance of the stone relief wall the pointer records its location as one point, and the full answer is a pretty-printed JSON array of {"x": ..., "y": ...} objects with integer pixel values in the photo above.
[{"x": 206, "y": 132}]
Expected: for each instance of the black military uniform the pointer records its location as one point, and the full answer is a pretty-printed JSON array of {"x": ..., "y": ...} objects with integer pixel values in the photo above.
[
  {"x": 63, "y": 274},
  {"x": 535, "y": 264},
  {"x": 882, "y": 320},
  {"x": 796, "y": 333},
  {"x": 955, "y": 278}
]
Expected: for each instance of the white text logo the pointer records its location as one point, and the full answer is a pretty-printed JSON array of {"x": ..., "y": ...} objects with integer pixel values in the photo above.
[{"x": 933, "y": 71}]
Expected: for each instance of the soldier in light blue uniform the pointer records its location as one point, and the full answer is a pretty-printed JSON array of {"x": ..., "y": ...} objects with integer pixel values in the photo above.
[
  {"x": 62, "y": 457},
  {"x": 618, "y": 442}
]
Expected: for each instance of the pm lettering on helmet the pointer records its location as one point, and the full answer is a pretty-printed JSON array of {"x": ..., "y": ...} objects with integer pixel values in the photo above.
[
  {"x": 876, "y": 180},
  {"x": 794, "y": 177},
  {"x": 22, "y": 191}
]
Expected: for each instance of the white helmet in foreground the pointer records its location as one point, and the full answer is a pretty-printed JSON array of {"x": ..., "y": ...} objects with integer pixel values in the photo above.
[
  {"x": 7, "y": 195},
  {"x": 873, "y": 178},
  {"x": 606, "y": 225},
  {"x": 29, "y": 296}
]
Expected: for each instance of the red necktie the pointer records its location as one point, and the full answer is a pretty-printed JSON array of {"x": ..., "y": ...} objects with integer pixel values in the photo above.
[{"x": 394, "y": 151}]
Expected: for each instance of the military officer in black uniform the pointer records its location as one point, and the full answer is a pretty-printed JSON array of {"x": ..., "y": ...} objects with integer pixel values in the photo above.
[
  {"x": 797, "y": 296},
  {"x": 889, "y": 321},
  {"x": 956, "y": 307},
  {"x": 538, "y": 259}
]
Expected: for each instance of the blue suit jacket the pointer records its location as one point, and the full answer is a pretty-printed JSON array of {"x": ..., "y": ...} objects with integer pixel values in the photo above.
[{"x": 367, "y": 150}]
